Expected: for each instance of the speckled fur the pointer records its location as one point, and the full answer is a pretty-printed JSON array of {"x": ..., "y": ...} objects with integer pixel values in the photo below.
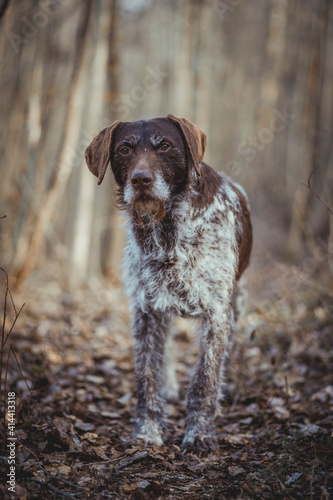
[
  {"x": 194, "y": 279},
  {"x": 187, "y": 264}
]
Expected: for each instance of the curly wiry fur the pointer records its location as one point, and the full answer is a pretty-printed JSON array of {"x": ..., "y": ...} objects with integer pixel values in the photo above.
[{"x": 188, "y": 242}]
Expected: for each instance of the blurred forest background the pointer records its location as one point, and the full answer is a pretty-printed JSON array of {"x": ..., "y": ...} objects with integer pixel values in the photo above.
[{"x": 256, "y": 76}]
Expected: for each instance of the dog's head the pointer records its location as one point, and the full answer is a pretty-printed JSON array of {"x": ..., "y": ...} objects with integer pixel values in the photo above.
[{"x": 152, "y": 160}]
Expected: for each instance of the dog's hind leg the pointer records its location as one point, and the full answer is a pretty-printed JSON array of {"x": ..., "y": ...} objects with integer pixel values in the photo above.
[
  {"x": 239, "y": 299},
  {"x": 171, "y": 386}
]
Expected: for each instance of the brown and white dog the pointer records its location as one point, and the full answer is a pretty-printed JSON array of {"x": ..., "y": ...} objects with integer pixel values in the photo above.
[{"x": 189, "y": 240}]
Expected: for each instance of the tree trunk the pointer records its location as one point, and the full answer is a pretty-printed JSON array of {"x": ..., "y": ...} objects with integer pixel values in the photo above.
[{"x": 71, "y": 139}]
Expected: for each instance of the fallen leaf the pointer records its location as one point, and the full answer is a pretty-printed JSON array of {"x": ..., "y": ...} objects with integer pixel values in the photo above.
[
  {"x": 133, "y": 458},
  {"x": 143, "y": 484},
  {"x": 234, "y": 470},
  {"x": 83, "y": 426},
  {"x": 291, "y": 478}
]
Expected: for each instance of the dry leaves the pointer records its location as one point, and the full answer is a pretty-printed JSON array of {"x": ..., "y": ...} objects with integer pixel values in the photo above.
[{"x": 274, "y": 430}]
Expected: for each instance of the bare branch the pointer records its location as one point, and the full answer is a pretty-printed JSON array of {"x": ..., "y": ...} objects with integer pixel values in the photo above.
[
  {"x": 6, "y": 338},
  {"x": 13, "y": 324},
  {"x": 308, "y": 185},
  {"x": 60, "y": 479},
  {"x": 61, "y": 493}
]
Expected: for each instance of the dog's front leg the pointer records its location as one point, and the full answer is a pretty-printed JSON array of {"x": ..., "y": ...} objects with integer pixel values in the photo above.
[
  {"x": 203, "y": 394},
  {"x": 149, "y": 332}
]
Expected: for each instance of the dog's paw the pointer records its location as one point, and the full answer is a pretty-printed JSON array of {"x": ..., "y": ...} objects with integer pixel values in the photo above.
[
  {"x": 171, "y": 393},
  {"x": 148, "y": 433},
  {"x": 142, "y": 441},
  {"x": 199, "y": 443}
]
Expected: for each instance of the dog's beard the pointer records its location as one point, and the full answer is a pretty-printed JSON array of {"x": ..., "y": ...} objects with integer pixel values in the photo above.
[{"x": 148, "y": 213}]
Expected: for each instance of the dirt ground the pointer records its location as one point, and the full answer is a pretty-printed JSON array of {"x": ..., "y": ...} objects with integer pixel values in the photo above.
[{"x": 74, "y": 387}]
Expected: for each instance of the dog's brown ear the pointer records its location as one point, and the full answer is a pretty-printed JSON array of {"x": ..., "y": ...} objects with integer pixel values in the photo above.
[
  {"x": 195, "y": 140},
  {"x": 98, "y": 152}
]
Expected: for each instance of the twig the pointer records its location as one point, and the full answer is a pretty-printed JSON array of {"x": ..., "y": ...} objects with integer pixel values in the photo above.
[
  {"x": 3, "y": 216},
  {"x": 6, "y": 338},
  {"x": 7, "y": 365},
  {"x": 105, "y": 461},
  {"x": 308, "y": 185},
  {"x": 3, "y": 327},
  {"x": 55, "y": 490},
  {"x": 51, "y": 475},
  {"x": 47, "y": 485},
  {"x": 60, "y": 479},
  {"x": 13, "y": 324},
  {"x": 12, "y": 300}
]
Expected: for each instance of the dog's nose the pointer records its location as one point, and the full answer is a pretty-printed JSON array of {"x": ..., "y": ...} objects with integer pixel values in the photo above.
[{"x": 141, "y": 178}]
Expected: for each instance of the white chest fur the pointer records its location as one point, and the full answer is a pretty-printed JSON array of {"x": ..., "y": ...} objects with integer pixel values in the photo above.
[{"x": 197, "y": 274}]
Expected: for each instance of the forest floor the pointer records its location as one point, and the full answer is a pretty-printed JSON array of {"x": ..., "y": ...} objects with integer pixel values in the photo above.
[{"x": 75, "y": 399}]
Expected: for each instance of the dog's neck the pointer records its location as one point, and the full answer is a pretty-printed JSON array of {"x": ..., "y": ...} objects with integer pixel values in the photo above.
[
  {"x": 162, "y": 235},
  {"x": 152, "y": 232}
]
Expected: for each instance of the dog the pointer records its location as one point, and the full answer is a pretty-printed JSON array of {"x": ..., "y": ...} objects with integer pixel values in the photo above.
[{"x": 189, "y": 240}]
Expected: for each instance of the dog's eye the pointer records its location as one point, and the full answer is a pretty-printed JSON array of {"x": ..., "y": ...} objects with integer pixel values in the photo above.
[
  {"x": 165, "y": 146},
  {"x": 124, "y": 150}
]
